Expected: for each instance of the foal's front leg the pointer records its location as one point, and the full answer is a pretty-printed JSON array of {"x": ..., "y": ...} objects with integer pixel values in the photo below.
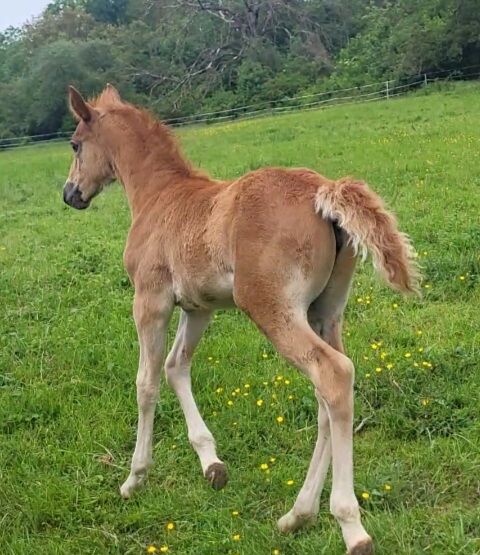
[
  {"x": 152, "y": 311},
  {"x": 177, "y": 369}
]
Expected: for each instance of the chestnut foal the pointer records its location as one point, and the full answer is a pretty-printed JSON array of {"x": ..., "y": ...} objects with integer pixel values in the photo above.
[{"x": 280, "y": 244}]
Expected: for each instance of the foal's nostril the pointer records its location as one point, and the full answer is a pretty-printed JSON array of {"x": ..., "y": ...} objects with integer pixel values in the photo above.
[
  {"x": 73, "y": 196},
  {"x": 67, "y": 191}
]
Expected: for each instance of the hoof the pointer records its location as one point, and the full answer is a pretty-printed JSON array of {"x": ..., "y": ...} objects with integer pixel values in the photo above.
[
  {"x": 291, "y": 522},
  {"x": 125, "y": 492},
  {"x": 130, "y": 485},
  {"x": 365, "y": 547},
  {"x": 217, "y": 476}
]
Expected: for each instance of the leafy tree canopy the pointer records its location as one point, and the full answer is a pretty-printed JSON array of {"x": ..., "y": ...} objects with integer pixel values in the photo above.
[{"x": 187, "y": 56}]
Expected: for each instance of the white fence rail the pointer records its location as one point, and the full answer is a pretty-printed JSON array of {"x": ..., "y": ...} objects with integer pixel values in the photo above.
[{"x": 352, "y": 95}]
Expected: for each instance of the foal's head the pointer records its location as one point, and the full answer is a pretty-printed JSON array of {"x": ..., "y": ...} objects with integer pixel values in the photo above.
[{"x": 92, "y": 166}]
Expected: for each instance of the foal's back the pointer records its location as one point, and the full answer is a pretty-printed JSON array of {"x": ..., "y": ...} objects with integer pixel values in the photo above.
[{"x": 207, "y": 237}]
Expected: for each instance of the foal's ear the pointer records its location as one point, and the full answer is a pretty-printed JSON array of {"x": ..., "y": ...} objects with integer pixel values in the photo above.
[
  {"x": 78, "y": 106},
  {"x": 112, "y": 93}
]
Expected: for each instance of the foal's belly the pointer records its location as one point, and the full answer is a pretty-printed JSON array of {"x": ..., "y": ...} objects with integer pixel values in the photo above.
[{"x": 205, "y": 294}]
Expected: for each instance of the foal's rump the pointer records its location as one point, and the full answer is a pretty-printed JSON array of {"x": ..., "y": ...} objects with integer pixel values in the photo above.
[{"x": 286, "y": 233}]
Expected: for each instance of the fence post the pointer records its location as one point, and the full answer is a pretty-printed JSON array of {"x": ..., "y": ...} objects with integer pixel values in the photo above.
[
  {"x": 425, "y": 79},
  {"x": 386, "y": 89}
]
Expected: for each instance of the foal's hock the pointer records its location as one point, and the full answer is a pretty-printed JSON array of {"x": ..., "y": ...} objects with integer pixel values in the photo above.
[{"x": 280, "y": 244}]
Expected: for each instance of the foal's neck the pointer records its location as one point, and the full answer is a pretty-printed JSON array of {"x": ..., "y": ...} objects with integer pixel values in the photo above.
[{"x": 147, "y": 159}]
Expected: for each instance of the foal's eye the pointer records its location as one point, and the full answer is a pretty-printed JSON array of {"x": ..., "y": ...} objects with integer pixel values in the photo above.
[{"x": 75, "y": 146}]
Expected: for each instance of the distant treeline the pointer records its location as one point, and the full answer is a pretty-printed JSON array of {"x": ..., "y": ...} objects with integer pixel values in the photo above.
[{"x": 181, "y": 57}]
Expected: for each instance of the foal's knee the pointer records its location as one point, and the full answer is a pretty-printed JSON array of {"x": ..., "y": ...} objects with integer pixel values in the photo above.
[
  {"x": 147, "y": 394},
  {"x": 177, "y": 368}
]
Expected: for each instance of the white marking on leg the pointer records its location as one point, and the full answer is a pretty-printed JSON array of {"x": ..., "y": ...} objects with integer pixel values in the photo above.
[
  {"x": 306, "y": 505},
  {"x": 151, "y": 322},
  {"x": 343, "y": 503},
  {"x": 177, "y": 369}
]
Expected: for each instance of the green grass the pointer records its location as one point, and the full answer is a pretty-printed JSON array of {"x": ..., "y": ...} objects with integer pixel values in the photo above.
[{"x": 68, "y": 356}]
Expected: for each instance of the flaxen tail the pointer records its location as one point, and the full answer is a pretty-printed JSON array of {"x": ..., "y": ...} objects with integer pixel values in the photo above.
[{"x": 361, "y": 213}]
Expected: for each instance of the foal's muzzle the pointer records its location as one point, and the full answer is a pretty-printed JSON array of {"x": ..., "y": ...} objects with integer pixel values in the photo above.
[{"x": 73, "y": 196}]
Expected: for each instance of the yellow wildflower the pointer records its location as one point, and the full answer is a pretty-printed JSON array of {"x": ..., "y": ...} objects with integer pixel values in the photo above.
[
  {"x": 387, "y": 487},
  {"x": 408, "y": 355},
  {"x": 259, "y": 402},
  {"x": 229, "y": 402},
  {"x": 170, "y": 526},
  {"x": 290, "y": 482},
  {"x": 235, "y": 513},
  {"x": 151, "y": 549},
  {"x": 378, "y": 369},
  {"x": 280, "y": 419},
  {"x": 164, "y": 549},
  {"x": 264, "y": 466},
  {"x": 236, "y": 537},
  {"x": 389, "y": 366},
  {"x": 365, "y": 495},
  {"x": 219, "y": 390}
]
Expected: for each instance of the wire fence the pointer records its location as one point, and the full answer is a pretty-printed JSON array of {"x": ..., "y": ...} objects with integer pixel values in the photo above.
[{"x": 380, "y": 90}]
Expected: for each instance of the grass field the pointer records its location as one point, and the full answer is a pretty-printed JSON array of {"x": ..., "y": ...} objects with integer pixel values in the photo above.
[{"x": 68, "y": 357}]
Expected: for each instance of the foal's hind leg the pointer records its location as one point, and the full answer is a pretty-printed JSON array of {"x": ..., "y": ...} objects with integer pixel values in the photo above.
[
  {"x": 325, "y": 317},
  {"x": 177, "y": 369},
  {"x": 306, "y": 505},
  {"x": 331, "y": 373}
]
